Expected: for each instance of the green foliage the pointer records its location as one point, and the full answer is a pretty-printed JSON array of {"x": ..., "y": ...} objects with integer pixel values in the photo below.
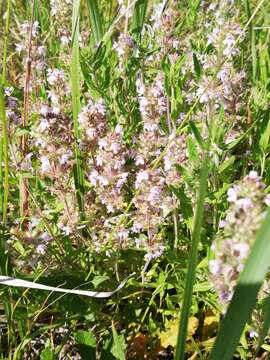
[
  {"x": 118, "y": 51},
  {"x": 95, "y": 20},
  {"x": 75, "y": 73},
  {"x": 192, "y": 263},
  {"x": 118, "y": 347},
  {"x": 86, "y": 344},
  {"x": 249, "y": 284},
  {"x": 47, "y": 353}
]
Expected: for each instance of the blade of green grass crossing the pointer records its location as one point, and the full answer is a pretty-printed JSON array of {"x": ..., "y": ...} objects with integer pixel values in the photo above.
[
  {"x": 4, "y": 151},
  {"x": 4, "y": 140},
  {"x": 95, "y": 20},
  {"x": 192, "y": 264},
  {"x": 4, "y": 181},
  {"x": 138, "y": 18},
  {"x": 1, "y": 174},
  {"x": 245, "y": 296},
  {"x": 75, "y": 85},
  {"x": 266, "y": 325},
  {"x": 252, "y": 36},
  {"x": 36, "y": 12}
]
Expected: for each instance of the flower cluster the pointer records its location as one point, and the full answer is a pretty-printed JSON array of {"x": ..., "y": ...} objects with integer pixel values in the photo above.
[
  {"x": 124, "y": 8},
  {"x": 61, "y": 11},
  {"x": 124, "y": 47},
  {"x": 152, "y": 202},
  {"x": 59, "y": 89},
  {"x": 150, "y": 184},
  {"x": 52, "y": 143},
  {"x": 152, "y": 103},
  {"x": 224, "y": 85},
  {"x": 232, "y": 246},
  {"x": 107, "y": 156},
  {"x": 176, "y": 154},
  {"x": 212, "y": 78},
  {"x": 11, "y": 107},
  {"x": 92, "y": 122},
  {"x": 120, "y": 161},
  {"x": 37, "y": 243},
  {"x": 31, "y": 41},
  {"x": 111, "y": 230},
  {"x": 108, "y": 172},
  {"x": 54, "y": 137},
  {"x": 163, "y": 21}
]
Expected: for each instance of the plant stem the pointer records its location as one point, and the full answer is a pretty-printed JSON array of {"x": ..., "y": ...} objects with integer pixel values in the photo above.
[
  {"x": 76, "y": 105},
  {"x": 4, "y": 140},
  {"x": 192, "y": 263},
  {"x": 23, "y": 180}
]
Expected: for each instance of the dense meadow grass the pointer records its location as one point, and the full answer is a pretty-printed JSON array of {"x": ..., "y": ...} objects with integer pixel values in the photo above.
[{"x": 134, "y": 179}]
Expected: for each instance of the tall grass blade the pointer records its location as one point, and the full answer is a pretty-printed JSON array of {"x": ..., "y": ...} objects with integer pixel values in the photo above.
[
  {"x": 252, "y": 36},
  {"x": 36, "y": 12},
  {"x": 245, "y": 296},
  {"x": 4, "y": 140},
  {"x": 192, "y": 263},
  {"x": 138, "y": 18},
  {"x": 4, "y": 151},
  {"x": 75, "y": 85},
  {"x": 4, "y": 177},
  {"x": 24, "y": 196},
  {"x": 266, "y": 325},
  {"x": 95, "y": 20}
]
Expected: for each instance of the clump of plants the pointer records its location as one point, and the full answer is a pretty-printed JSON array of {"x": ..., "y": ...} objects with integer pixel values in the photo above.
[{"x": 135, "y": 166}]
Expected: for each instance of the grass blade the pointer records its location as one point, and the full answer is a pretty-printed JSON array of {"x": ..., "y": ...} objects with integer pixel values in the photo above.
[
  {"x": 138, "y": 18},
  {"x": 4, "y": 178},
  {"x": 266, "y": 325},
  {"x": 95, "y": 20},
  {"x": 24, "y": 196},
  {"x": 245, "y": 296},
  {"x": 252, "y": 35},
  {"x": 192, "y": 263},
  {"x": 75, "y": 85},
  {"x": 4, "y": 140},
  {"x": 4, "y": 151}
]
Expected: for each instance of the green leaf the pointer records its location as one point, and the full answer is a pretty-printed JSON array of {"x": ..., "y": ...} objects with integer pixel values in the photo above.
[
  {"x": 86, "y": 344},
  {"x": 185, "y": 205},
  {"x": 23, "y": 130},
  {"x": 235, "y": 142},
  {"x": 138, "y": 18},
  {"x": 200, "y": 287},
  {"x": 197, "y": 134},
  {"x": 47, "y": 353},
  {"x": 245, "y": 296},
  {"x": 192, "y": 151},
  {"x": 95, "y": 20},
  {"x": 266, "y": 347},
  {"x": 106, "y": 350},
  {"x": 85, "y": 338},
  {"x": 18, "y": 246},
  {"x": 192, "y": 263},
  {"x": 76, "y": 106},
  {"x": 99, "y": 279},
  {"x": 266, "y": 324},
  {"x": 226, "y": 164},
  {"x": 197, "y": 66},
  {"x": 264, "y": 140},
  {"x": 119, "y": 345}
]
